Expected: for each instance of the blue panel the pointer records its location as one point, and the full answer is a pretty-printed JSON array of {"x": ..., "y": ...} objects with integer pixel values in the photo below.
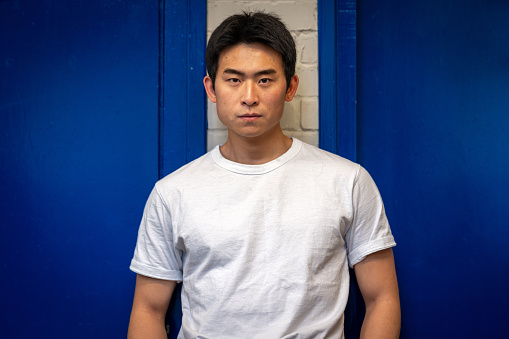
[
  {"x": 184, "y": 100},
  {"x": 433, "y": 131},
  {"x": 346, "y": 79},
  {"x": 327, "y": 75},
  {"x": 78, "y": 158},
  {"x": 337, "y": 76},
  {"x": 196, "y": 71}
]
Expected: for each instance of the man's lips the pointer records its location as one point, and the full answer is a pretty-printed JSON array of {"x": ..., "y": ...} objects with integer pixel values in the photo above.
[{"x": 250, "y": 116}]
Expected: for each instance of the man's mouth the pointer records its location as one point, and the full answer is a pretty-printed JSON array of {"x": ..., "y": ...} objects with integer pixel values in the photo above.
[{"x": 250, "y": 116}]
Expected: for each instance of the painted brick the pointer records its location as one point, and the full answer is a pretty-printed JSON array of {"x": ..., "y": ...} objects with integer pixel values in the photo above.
[
  {"x": 297, "y": 15},
  {"x": 308, "y": 82},
  {"x": 291, "y": 115},
  {"x": 309, "y": 114},
  {"x": 212, "y": 119},
  {"x": 217, "y": 11},
  {"x": 308, "y": 48},
  {"x": 216, "y": 137},
  {"x": 310, "y": 137}
]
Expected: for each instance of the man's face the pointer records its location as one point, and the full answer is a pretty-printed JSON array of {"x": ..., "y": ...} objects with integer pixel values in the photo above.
[{"x": 250, "y": 90}]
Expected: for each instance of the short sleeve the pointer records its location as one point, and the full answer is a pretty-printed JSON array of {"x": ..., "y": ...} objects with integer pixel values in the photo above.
[
  {"x": 155, "y": 255},
  {"x": 370, "y": 231}
]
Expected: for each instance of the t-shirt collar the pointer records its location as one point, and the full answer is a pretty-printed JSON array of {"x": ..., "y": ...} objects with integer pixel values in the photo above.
[{"x": 256, "y": 169}]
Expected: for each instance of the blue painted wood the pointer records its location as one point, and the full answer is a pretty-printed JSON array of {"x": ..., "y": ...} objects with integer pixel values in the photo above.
[
  {"x": 337, "y": 76},
  {"x": 327, "y": 82},
  {"x": 433, "y": 85},
  {"x": 184, "y": 101},
  {"x": 78, "y": 158},
  {"x": 196, "y": 98},
  {"x": 80, "y": 116},
  {"x": 346, "y": 79}
]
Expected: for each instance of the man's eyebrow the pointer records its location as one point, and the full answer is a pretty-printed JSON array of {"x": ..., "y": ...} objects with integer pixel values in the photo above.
[
  {"x": 262, "y": 72},
  {"x": 266, "y": 72},
  {"x": 233, "y": 71}
]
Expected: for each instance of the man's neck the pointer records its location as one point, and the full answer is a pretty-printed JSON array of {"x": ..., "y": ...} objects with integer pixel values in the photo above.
[{"x": 255, "y": 150}]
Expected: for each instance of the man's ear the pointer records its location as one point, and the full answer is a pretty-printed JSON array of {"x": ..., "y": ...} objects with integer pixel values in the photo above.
[
  {"x": 209, "y": 88},
  {"x": 290, "y": 92}
]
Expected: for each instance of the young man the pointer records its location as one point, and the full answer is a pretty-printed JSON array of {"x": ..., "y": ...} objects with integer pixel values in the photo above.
[{"x": 261, "y": 230}]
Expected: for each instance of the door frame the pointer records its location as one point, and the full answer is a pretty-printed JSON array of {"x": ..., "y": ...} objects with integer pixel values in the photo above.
[
  {"x": 337, "y": 52},
  {"x": 182, "y": 101}
]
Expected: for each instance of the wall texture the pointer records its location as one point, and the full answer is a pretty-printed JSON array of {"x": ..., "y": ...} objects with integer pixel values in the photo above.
[
  {"x": 300, "y": 118},
  {"x": 433, "y": 85},
  {"x": 78, "y": 158}
]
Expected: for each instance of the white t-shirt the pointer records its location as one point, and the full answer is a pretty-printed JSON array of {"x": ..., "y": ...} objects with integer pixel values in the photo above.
[{"x": 263, "y": 250}]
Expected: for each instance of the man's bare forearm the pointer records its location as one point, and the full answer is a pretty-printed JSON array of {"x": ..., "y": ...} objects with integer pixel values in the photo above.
[
  {"x": 145, "y": 325},
  {"x": 382, "y": 320}
]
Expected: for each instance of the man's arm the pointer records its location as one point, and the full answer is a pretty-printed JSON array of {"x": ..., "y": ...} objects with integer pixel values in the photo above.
[
  {"x": 376, "y": 276},
  {"x": 151, "y": 300}
]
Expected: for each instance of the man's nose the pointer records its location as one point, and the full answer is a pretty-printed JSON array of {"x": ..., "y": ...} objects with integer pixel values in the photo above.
[{"x": 250, "y": 94}]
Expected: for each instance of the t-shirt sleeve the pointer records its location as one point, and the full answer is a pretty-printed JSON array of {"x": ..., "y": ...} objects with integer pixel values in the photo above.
[
  {"x": 370, "y": 231},
  {"x": 155, "y": 255}
]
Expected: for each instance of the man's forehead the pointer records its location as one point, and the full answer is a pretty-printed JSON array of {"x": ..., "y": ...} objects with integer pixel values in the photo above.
[{"x": 240, "y": 57}]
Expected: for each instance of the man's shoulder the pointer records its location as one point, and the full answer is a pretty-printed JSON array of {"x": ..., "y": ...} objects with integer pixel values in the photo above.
[
  {"x": 187, "y": 173},
  {"x": 314, "y": 155}
]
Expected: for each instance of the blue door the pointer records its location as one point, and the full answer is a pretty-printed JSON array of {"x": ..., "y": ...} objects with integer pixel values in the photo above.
[
  {"x": 429, "y": 83},
  {"x": 433, "y": 129},
  {"x": 87, "y": 126}
]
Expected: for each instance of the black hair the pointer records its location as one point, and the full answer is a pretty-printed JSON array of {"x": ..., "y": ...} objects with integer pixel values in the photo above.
[{"x": 249, "y": 28}]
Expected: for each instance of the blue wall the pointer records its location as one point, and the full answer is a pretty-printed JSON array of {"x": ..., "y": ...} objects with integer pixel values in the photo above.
[
  {"x": 92, "y": 113},
  {"x": 433, "y": 130},
  {"x": 78, "y": 158}
]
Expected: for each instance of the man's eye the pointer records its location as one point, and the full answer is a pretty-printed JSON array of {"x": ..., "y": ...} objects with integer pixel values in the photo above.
[
  {"x": 264, "y": 81},
  {"x": 234, "y": 80}
]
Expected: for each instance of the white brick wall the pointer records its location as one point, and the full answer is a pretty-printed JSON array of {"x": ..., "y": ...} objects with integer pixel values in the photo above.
[{"x": 300, "y": 117}]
